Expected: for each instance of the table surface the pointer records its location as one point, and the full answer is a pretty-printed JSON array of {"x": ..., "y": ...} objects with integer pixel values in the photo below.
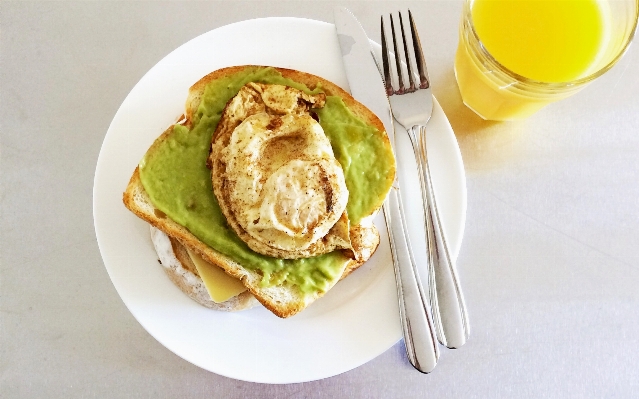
[{"x": 549, "y": 260}]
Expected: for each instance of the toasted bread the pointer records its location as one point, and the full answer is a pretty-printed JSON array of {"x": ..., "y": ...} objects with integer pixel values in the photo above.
[{"x": 282, "y": 300}]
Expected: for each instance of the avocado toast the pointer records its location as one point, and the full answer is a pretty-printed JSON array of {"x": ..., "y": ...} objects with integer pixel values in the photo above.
[{"x": 171, "y": 188}]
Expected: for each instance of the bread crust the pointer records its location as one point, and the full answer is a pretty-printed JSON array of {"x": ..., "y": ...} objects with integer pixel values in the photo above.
[{"x": 283, "y": 301}]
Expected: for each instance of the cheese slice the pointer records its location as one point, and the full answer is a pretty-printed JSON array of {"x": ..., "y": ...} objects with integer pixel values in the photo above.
[{"x": 221, "y": 286}]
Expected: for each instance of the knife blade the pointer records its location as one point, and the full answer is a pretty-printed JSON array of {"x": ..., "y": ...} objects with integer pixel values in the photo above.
[{"x": 367, "y": 87}]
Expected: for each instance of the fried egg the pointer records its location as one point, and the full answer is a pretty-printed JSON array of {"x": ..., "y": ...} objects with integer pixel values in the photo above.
[{"x": 275, "y": 175}]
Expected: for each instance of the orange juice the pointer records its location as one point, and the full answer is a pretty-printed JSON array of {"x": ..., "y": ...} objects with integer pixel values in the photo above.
[
  {"x": 549, "y": 41},
  {"x": 546, "y": 40}
]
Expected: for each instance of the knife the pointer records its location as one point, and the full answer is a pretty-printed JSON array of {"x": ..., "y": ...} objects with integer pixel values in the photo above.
[{"x": 367, "y": 87}]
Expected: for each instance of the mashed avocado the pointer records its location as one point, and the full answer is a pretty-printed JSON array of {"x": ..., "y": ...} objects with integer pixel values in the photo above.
[{"x": 179, "y": 184}]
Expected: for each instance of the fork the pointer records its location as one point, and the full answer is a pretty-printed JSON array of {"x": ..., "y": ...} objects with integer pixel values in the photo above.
[{"x": 412, "y": 107}]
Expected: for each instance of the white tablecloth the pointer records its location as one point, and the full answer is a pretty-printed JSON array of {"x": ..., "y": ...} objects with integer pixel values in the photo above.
[{"x": 549, "y": 261}]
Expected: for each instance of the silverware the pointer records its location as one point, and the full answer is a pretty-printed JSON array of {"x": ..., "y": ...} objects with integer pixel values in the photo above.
[
  {"x": 412, "y": 107},
  {"x": 367, "y": 87}
]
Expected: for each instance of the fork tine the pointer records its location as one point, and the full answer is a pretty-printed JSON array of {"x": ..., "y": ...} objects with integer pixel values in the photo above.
[
  {"x": 386, "y": 66},
  {"x": 411, "y": 81},
  {"x": 419, "y": 55},
  {"x": 397, "y": 61}
]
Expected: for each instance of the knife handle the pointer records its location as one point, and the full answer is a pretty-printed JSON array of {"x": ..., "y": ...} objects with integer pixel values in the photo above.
[
  {"x": 447, "y": 300},
  {"x": 414, "y": 311}
]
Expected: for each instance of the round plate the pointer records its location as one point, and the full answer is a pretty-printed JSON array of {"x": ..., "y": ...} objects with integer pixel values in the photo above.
[{"x": 355, "y": 322}]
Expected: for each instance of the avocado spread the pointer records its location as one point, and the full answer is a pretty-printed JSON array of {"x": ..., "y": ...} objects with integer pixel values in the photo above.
[{"x": 178, "y": 182}]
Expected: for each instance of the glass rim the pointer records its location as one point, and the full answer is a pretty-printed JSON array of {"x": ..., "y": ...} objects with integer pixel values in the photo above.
[{"x": 538, "y": 83}]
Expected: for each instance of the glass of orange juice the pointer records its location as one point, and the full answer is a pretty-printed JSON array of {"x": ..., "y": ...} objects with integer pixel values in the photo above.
[{"x": 517, "y": 56}]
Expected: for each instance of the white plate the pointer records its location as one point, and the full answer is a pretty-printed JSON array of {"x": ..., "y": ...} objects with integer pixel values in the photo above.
[{"x": 354, "y": 322}]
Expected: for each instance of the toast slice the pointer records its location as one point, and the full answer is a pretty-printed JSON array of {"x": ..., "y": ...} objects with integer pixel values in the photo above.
[{"x": 282, "y": 300}]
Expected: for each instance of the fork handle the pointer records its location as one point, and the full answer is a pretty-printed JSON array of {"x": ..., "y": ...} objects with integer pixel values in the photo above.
[
  {"x": 414, "y": 311},
  {"x": 447, "y": 300}
]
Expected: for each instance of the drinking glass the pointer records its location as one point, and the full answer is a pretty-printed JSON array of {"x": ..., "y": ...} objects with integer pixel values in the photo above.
[{"x": 494, "y": 92}]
